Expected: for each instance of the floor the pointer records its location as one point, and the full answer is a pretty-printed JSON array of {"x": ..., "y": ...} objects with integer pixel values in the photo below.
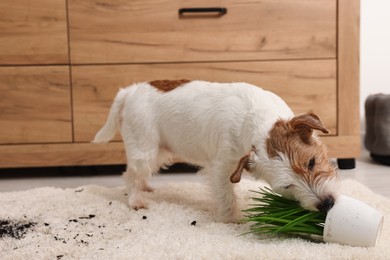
[{"x": 375, "y": 176}]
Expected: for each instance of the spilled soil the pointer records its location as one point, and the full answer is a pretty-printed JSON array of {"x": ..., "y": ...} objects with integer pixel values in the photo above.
[{"x": 14, "y": 229}]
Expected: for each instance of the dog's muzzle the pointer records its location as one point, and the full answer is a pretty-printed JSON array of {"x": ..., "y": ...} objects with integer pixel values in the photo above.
[{"x": 326, "y": 204}]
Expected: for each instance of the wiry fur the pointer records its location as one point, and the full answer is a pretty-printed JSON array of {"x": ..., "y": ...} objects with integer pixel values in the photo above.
[{"x": 225, "y": 128}]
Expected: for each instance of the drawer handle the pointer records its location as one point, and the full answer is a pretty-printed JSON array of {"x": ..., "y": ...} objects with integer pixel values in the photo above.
[{"x": 203, "y": 10}]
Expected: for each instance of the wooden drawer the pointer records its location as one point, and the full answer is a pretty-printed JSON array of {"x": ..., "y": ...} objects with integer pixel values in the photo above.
[
  {"x": 35, "y": 105},
  {"x": 117, "y": 31},
  {"x": 305, "y": 86},
  {"x": 33, "y": 32}
]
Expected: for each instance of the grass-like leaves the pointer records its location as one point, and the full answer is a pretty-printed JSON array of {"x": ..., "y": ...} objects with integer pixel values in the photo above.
[{"x": 272, "y": 214}]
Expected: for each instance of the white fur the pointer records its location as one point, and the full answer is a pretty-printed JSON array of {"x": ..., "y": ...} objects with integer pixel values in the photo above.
[
  {"x": 208, "y": 124},
  {"x": 279, "y": 175}
]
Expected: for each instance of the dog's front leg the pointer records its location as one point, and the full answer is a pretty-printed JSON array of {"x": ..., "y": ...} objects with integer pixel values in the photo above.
[{"x": 223, "y": 190}]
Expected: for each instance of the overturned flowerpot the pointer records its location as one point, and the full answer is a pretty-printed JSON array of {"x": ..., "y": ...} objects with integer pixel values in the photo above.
[
  {"x": 352, "y": 222},
  {"x": 348, "y": 222}
]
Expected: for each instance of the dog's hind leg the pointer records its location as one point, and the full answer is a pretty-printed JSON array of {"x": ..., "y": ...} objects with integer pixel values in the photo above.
[
  {"x": 136, "y": 178},
  {"x": 141, "y": 164},
  {"x": 139, "y": 171}
]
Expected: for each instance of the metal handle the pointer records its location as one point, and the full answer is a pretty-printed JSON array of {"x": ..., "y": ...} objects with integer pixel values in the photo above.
[{"x": 209, "y": 10}]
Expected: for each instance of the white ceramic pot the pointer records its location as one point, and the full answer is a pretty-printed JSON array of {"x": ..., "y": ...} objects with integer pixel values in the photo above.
[{"x": 352, "y": 222}]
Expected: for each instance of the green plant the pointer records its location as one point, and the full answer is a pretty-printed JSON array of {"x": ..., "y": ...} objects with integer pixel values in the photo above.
[{"x": 273, "y": 214}]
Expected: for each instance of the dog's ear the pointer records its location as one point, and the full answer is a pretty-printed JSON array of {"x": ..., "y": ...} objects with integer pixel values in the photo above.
[
  {"x": 305, "y": 124},
  {"x": 244, "y": 163}
]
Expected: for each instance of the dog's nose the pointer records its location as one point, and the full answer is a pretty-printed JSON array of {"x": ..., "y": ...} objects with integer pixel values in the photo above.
[{"x": 326, "y": 204}]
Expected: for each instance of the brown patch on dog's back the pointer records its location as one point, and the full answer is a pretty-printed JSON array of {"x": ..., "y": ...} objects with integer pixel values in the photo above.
[{"x": 168, "y": 85}]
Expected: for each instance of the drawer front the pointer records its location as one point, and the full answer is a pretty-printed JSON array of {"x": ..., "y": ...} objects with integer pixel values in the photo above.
[
  {"x": 304, "y": 85},
  {"x": 33, "y": 32},
  {"x": 117, "y": 31},
  {"x": 35, "y": 105}
]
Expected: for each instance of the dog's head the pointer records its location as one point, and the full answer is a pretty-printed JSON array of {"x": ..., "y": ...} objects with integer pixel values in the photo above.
[{"x": 298, "y": 166}]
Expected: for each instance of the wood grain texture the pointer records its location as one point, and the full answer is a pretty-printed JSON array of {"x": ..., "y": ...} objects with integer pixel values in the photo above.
[
  {"x": 61, "y": 154},
  {"x": 342, "y": 146},
  {"x": 35, "y": 105},
  {"x": 113, "y": 153},
  {"x": 33, "y": 32},
  {"x": 117, "y": 31},
  {"x": 348, "y": 66},
  {"x": 305, "y": 51},
  {"x": 304, "y": 85}
]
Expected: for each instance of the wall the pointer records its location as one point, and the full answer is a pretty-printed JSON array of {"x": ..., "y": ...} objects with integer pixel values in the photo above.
[{"x": 375, "y": 50}]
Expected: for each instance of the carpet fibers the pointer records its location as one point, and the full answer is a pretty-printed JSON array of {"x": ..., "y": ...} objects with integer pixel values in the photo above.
[{"x": 94, "y": 222}]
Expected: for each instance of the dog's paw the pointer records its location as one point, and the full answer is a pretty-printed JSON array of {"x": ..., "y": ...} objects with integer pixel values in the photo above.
[
  {"x": 233, "y": 219},
  {"x": 147, "y": 188},
  {"x": 137, "y": 204},
  {"x": 230, "y": 216}
]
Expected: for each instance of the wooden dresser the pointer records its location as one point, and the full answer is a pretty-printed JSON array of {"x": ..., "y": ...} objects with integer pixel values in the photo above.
[{"x": 62, "y": 62}]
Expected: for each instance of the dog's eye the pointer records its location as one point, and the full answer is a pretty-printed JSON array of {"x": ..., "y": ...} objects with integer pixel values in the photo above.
[
  {"x": 289, "y": 186},
  {"x": 311, "y": 164}
]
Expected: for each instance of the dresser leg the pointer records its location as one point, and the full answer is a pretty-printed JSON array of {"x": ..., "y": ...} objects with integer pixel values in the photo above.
[{"x": 346, "y": 163}]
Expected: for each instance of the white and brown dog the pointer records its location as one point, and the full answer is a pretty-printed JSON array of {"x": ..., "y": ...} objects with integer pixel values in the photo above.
[{"x": 224, "y": 128}]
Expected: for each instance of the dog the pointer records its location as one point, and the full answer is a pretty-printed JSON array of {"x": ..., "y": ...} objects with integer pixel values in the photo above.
[{"x": 225, "y": 128}]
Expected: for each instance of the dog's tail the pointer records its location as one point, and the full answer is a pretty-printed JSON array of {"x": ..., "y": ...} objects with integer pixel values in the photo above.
[{"x": 108, "y": 131}]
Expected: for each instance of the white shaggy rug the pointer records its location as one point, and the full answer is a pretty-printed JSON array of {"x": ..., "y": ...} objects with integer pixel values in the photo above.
[{"x": 94, "y": 222}]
